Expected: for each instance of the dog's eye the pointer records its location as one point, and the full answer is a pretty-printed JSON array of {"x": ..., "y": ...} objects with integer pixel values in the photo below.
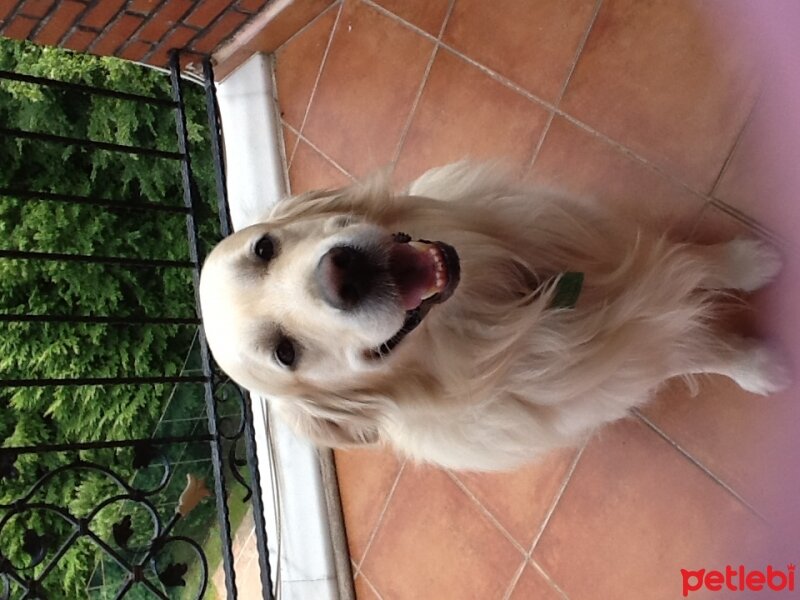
[
  {"x": 264, "y": 248},
  {"x": 285, "y": 353}
]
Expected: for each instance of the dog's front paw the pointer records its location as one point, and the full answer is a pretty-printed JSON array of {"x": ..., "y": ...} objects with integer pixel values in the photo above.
[{"x": 752, "y": 264}]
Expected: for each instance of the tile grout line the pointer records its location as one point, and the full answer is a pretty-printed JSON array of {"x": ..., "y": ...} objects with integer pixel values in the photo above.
[
  {"x": 412, "y": 113},
  {"x": 371, "y": 586},
  {"x": 535, "y": 564},
  {"x": 744, "y": 220},
  {"x": 580, "y": 124},
  {"x": 319, "y": 75},
  {"x": 407, "y": 125},
  {"x": 747, "y": 221},
  {"x": 699, "y": 219},
  {"x": 545, "y": 130},
  {"x": 529, "y": 560},
  {"x": 379, "y": 521},
  {"x": 487, "y": 513},
  {"x": 632, "y": 154},
  {"x": 728, "y": 159},
  {"x": 556, "y": 500},
  {"x": 551, "y": 510},
  {"x": 720, "y": 204},
  {"x": 407, "y": 24},
  {"x": 555, "y": 111},
  {"x": 713, "y": 476},
  {"x": 446, "y": 21},
  {"x": 515, "y": 579},
  {"x": 581, "y": 44},
  {"x": 526, "y": 554},
  {"x": 541, "y": 102},
  {"x": 304, "y": 28},
  {"x": 444, "y": 46},
  {"x": 336, "y": 165},
  {"x": 705, "y": 198}
]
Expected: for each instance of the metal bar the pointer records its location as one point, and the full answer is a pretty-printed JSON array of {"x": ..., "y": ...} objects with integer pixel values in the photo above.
[
  {"x": 77, "y": 446},
  {"x": 86, "y": 89},
  {"x": 226, "y": 228},
  {"x": 101, "y": 260},
  {"x": 220, "y": 488},
  {"x": 93, "y": 144},
  {"x": 80, "y": 381},
  {"x": 11, "y": 573},
  {"x": 124, "y": 320},
  {"x": 124, "y": 589},
  {"x": 125, "y": 565},
  {"x": 89, "y": 201},
  {"x": 65, "y": 547},
  {"x": 215, "y": 124},
  {"x": 257, "y": 501}
]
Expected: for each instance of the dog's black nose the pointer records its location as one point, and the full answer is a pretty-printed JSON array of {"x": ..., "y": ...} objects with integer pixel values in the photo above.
[{"x": 345, "y": 276}]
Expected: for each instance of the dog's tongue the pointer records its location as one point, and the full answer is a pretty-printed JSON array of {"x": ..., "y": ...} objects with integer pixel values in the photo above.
[{"x": 413, "y": 268}]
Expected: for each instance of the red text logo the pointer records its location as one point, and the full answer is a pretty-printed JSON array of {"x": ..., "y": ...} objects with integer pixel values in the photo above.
[{"x": 739, "y": 579}]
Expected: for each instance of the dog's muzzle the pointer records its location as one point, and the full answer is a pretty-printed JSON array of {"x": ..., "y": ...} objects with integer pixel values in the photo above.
[{"x": 420, "y": 274}]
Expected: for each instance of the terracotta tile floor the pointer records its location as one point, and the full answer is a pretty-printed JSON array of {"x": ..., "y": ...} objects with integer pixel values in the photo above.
[
  {"x": 245, "y": 561},
  {"x": 635, "y": 103}
]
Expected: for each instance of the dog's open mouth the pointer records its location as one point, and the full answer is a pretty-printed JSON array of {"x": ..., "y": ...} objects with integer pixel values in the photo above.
[{"x": 424, "y": 273}]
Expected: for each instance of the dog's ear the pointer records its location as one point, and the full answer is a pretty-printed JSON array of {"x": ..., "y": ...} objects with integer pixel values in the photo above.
[
  {"x": 330, "y": 420},
  {"x": 334, "y": 433}
]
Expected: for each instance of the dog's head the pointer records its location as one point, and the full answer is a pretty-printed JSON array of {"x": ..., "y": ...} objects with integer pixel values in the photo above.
[{"x": 315, "y": 300}]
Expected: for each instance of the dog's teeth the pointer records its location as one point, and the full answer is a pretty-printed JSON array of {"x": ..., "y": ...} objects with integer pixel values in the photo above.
[
  {"x": 439, "y": 268},
  {"x": 430, "y": 293}
]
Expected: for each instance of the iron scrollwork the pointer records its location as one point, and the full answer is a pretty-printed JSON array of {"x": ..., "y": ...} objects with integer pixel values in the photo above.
[
  {"x": 232, "y": 426},
  {"x": 141, "y": 564}
]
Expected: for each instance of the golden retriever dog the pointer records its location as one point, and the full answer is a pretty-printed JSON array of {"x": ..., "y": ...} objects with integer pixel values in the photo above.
[{"x": 471, "y": 322}]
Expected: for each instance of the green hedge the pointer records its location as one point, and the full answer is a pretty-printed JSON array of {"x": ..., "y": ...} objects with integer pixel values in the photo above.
[{"x": 48, "y": 415}]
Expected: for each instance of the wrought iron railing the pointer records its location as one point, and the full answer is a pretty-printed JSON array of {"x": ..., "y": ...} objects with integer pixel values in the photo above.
[{"x": 152, "y": 486}]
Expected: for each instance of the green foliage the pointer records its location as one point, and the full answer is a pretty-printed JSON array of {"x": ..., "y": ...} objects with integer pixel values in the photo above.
[{"x": 38, "y": 415}]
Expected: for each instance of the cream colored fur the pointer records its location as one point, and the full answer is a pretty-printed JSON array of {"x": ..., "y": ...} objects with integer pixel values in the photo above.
[{"x": 493, "y": 377}]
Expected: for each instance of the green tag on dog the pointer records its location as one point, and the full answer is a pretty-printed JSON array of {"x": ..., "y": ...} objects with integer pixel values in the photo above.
[{"x": 568, "y": 289}]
